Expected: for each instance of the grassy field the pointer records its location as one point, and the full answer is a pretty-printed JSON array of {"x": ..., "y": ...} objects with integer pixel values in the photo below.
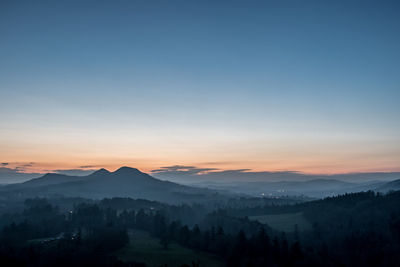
[
  {"x": 147, "y": 249},
  {"x": 284, "y": 222}
]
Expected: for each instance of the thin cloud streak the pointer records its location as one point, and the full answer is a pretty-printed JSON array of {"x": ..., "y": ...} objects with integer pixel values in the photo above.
[{"x": 192, "y": 174}]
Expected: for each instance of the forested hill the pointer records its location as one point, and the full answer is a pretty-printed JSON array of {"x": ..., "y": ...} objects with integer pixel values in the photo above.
[
  {"x": 359, "y": 229},
  {"x": 365, "y": 206}
]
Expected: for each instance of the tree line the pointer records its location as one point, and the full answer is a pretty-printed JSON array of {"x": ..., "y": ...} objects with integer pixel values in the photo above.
[{"x": 360, "y": 229}]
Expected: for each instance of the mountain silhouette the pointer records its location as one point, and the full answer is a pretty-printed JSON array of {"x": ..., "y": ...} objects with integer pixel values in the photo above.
[
  {"x": 124, "y": 182},
  {"x": 50, "y": 179},
  {"x": 102, "y": 171}
]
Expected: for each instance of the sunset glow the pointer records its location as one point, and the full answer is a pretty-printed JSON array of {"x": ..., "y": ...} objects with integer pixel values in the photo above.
[{"x": 160, "y": 86}]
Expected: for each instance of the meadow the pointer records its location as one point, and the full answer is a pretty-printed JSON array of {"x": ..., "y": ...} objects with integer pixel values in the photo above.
[{"x": 147, "y": 249}]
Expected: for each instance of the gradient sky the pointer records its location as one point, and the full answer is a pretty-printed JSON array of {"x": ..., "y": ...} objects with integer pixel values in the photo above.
[{"x": 311, "y": 86}]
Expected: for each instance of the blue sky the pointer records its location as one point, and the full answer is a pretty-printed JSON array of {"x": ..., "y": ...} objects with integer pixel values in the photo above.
[{"x": 267, "y": 85}]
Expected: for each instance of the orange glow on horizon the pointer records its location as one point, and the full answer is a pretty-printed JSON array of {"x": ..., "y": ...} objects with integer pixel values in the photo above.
[{"x": 45, "y": 167}]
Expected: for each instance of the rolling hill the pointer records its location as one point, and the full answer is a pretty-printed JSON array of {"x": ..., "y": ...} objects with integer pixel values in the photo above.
[
  {"x": 317, "y": 188},
  {"x": 390, "y": 186}
]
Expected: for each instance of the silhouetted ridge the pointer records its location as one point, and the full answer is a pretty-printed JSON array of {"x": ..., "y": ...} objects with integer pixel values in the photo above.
[
  {"x": 124, "y": 182},
  {"x": 51, "y": 178},
  {"x": 102, "y": 171},
  {"x": 128, "y": 171},
  {"x": 52, "y": 174}
]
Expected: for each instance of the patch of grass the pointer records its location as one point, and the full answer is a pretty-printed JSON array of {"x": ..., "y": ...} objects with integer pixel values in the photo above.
[
  {"x": 145, "y": 248},
  {"x": 284, "y": 222}
]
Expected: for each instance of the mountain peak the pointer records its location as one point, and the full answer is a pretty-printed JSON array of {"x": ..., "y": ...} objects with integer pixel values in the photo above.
[
  {"x": 127, "y": 170},
  {"x": 101, "y": 171}
]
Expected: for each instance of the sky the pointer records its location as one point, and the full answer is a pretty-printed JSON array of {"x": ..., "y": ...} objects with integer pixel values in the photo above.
[{"x": 307, "y": 86}]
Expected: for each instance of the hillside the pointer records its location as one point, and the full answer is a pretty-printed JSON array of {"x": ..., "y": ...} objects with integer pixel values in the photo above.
[{"x": 124, "y": 182}]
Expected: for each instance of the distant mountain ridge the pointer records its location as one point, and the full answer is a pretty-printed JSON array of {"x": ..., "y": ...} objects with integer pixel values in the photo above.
[
  {"x": 124, "y": 182},
  {"x": 393, "y": 185},
  {"x": 131, "y": 182},
  {"x": 317, "y": 188},
  {"x": 51, "y": 178},
  {"x": 227, "y": 176}
]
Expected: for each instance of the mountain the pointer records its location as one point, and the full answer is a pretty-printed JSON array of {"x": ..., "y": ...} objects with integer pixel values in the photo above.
[
  {"x": 51, "y": 179},
  {"x": 390, "y": 186},
  {"x": 124, "y": 182},
  {"x": 130, "y": 182},
  {"x": 191, "y": 175},
  {"x": 11, "y": 175},
  {"x": 317, "y": 188}
]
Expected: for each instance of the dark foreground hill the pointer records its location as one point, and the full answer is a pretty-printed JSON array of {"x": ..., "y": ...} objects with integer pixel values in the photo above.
[{"x": 124, "y": 182}]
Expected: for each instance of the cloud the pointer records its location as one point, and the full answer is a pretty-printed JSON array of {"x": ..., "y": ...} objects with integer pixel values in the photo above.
[
  {"x": 188, "y": 174},
  {"x": 88, "y": 167},
  {"x": 23, "y": 167},
  {"x": 193, "y": 174},
  {"x": 28, "y": 164},
  {"x": 19, "y": 166},
  {"x": 177, "y": 169}
]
